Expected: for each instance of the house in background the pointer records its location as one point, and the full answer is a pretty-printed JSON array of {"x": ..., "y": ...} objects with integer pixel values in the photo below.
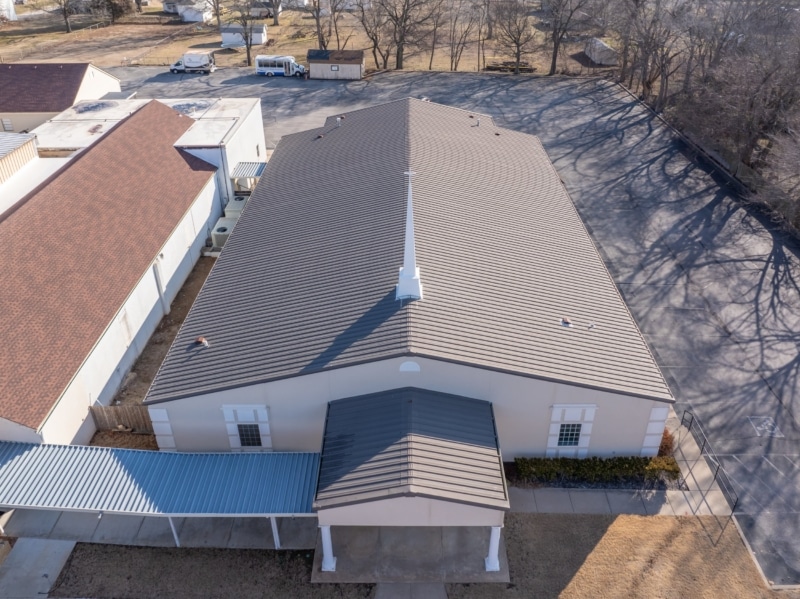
[
  {"x": 99, "y": 249},
  {"x": 336, "y": 64},
  {"x": 518, "y": 308},
  {"x": 233, "y": 35},
  {"x": 198, "y": 12},
  {"x": 7, "y": 10},
  {"x": 33, "y": 93},
  {"x": 264, "y": 10}
]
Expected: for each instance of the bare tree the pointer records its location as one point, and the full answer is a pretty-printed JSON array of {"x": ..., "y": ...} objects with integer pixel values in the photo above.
[
  {"x": 112, "y": 9},
  {"x": 438, "y": 17},
  {"x": 277, "y": 5},
  {"x": 66, "y": 8},
  {"x": 406, "y": 17},
  {"x": 378, "y": 30},
  {"x": 216, "y": 7},
  {"x": 462, "y": 19},
  {"x": 337, "y": 8},
  {"x": 242, "y": 14},
  {"x": 514, "y": 28},
  {"x": 322, "y": 22},
  {"x": 560, "y": 15}
]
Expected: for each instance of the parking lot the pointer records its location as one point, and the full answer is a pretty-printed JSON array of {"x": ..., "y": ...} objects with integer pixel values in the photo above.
[{"x": 711, "y": 281}]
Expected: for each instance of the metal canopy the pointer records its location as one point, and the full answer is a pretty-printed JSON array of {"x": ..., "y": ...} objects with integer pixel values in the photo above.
[
  {"x": 248, "y": 169},
  {"x": 127, "y": 481}
]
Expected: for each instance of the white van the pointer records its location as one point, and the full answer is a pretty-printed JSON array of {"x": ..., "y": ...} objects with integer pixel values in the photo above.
[
  {"x": 194, "y": 62},
  {"x": 279, "y": 66}
]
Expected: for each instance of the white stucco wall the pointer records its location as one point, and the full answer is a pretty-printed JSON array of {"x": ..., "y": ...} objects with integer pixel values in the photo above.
[
  {"x": 96, "y": 84},
  {"x": 24, "y": 121},
  {"x": 11, "y": 431},
  {"x": 523, "y": 407},
  {"x": 101, "y": 374},
  {"x": 410, "y": 511}
]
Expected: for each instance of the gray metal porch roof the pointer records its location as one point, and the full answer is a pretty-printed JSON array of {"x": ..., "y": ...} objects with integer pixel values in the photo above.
[
  {"x": 411, "y": 442},
  {"x": 128, "y": 481}
]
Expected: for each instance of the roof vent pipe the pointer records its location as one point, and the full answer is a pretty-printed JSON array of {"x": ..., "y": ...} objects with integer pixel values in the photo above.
[
  {"x": 409, "y": 285},
  {"x": 338, "y": 121}
]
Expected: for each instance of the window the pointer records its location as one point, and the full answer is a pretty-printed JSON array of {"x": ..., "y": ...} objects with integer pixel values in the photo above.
[
  {"x": 569, "y": 435},
  {"x": 334, "y": 67},
  {"x": 249, "y": 435},
  {"x": 248, "y": 427}
]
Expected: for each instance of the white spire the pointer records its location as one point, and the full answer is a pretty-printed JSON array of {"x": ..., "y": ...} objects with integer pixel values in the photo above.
[{"x": 409, "y": 286}]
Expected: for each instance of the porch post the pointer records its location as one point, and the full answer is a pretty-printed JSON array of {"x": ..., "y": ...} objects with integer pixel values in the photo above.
[
  {"x": 275, "y": 535},
  {"x": 328, "y": 560},
  {"x": 174, "y": 532},
  {"x": 492, "y": 561}
]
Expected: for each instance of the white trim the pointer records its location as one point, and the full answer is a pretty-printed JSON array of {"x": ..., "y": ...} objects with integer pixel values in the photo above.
[{"x": 235, "y": 414}]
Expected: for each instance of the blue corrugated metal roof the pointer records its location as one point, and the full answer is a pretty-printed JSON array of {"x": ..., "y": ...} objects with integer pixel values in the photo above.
[
  {"x": 248, "y": 169},
  {"x": 104, "y": 479}
]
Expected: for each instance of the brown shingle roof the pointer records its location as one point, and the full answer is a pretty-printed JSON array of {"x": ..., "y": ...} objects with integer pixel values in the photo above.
[
  {"x": 75, "y": 249},
  {"x": 40, "y": 87}
]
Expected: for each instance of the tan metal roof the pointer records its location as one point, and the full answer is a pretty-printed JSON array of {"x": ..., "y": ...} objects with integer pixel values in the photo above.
[
  {"x": 410, "y": 442},
  {"x": 313, "y": 262}
]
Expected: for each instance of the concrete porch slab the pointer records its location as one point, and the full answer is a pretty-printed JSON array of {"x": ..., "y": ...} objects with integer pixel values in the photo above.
[
  {"x": 409, "y": 555},
  {"x": 522, "y": 500},
  {"x": 656, "y": 503},
  {"x": 298, "y": 533},
  {"x": 400, "y": 590},
  {"x": 626, "y": 502},
  {"x": 155, "y": 532}
]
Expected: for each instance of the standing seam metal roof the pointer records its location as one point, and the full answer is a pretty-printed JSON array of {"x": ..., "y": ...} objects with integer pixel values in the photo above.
[
  {"x": 503, "y": 253},
  {"x": 128, "y": 481},
  {"x": 410, "y": 442}
]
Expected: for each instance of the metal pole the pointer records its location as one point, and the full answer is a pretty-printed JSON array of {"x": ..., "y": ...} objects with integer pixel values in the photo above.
[
  {"x": 174, "y": 532},
  {"x": 275, "y": 535}
]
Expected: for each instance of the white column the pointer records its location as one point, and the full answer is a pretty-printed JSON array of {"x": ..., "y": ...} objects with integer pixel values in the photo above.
[
  {"x": 275, "y": 535},
  {"x": 328, "y": 560},
  {"x": 174, "y": 532},
  {"x": 492, "y": 561}
]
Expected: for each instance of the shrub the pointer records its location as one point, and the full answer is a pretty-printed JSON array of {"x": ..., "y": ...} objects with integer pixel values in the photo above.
[
  {"x": 667, "y": 447},
  {"x": 624, "y": 470}
]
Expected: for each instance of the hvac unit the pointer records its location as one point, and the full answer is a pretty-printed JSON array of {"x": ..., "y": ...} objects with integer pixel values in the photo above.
[
  {"x": 222, "y": 230},
  {"x": 235, "y": 206}
]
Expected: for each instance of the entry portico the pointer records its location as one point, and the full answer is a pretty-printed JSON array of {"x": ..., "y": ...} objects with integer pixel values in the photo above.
[{"x": 411, "y": 458}]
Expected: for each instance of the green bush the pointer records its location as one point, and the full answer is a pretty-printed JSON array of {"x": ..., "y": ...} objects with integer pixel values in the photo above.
[{"x": 596, "y": 470}]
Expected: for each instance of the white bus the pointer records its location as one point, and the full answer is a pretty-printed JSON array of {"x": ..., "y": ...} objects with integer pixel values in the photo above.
[{"x": 279, "y": 66}]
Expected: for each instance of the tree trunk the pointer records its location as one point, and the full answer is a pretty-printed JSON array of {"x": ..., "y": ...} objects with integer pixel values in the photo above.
[
  {"x": 554, "y": 58},
  {"x": 65, "y": 13},
  {"x": 375, "y": 56},
  {"x": 517, "y": 59},
  {"x": 399, "y": 56}
]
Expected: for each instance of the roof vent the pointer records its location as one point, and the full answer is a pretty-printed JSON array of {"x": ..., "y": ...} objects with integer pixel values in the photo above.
[
  {"x": 566, "y": 322},
  {"x": 409, "y": 285}
]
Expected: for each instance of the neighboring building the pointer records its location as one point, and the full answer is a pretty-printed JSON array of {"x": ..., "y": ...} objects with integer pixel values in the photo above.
[
  {"x": 232, "y": 35},
  {"x": 99, "y": 249},
  {"x": 173, "y": 6},
  {"x": 600, "y": 53},
  {"x": 336, "y": 64},
  {"x": 33, "y": 93},
  {"x": 518, "y": 309},
  {"x": 195, "y": 13}
]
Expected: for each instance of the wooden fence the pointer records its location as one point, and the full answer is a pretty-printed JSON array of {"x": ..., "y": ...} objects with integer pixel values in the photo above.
[{"x": 108, "y": 418}]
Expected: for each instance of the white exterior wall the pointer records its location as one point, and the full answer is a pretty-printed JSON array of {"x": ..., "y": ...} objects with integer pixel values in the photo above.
[
  {"x": 96, "y": 84},
  {"x": 523, "y": 407},
  {"x": 11, "y": 431},
  {"x": 24, "y": 121},
  {"x": 246, "y": 144},
  {"x": 319, "y": 70},
  {"x": 410, "y": 511},
  {"x": 102, "y": 372}
]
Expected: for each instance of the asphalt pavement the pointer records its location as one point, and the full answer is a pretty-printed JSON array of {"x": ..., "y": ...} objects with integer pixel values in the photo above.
[{"x": 710, "y": 279}]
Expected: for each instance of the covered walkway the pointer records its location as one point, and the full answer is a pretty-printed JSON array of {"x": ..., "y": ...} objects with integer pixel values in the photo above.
[{"x": 145, "y": 496}]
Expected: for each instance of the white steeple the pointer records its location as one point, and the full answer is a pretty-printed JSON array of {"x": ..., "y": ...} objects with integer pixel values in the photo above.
[{"x": 408, "y": 285}]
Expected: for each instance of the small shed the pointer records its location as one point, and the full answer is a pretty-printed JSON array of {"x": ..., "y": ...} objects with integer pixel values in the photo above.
[
  {"x": 233, "y": 35},
  {"x": 336, "y": 64},
  {"x": 600, "y": 53},
  {"x": 197, "y": 13}
]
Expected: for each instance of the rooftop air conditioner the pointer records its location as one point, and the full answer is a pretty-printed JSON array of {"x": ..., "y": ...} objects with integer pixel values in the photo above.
[
  {"x": 222, "y": 230},
  {"x": 235, "y": 206}
]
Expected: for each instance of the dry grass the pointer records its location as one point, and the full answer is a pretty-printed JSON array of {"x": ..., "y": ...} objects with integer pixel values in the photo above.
[
  {"x": 550, "y": 555},
  {"x": 124, "y": 440}
]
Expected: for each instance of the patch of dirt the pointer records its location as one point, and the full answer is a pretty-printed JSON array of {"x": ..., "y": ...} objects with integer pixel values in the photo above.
[
  {"x": 141, "y": 376},
  {"x": 550, "y": 555},
  {"x": 124, "y": 440},
  {"x": 101, "y": 571}
]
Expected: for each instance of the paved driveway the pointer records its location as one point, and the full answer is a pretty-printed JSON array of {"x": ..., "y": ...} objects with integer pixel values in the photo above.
[{"x": 713, "y": 286}]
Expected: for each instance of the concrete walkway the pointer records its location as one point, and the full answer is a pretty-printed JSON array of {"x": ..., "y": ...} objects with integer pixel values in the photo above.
[{"x": 32, "y": 567}]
